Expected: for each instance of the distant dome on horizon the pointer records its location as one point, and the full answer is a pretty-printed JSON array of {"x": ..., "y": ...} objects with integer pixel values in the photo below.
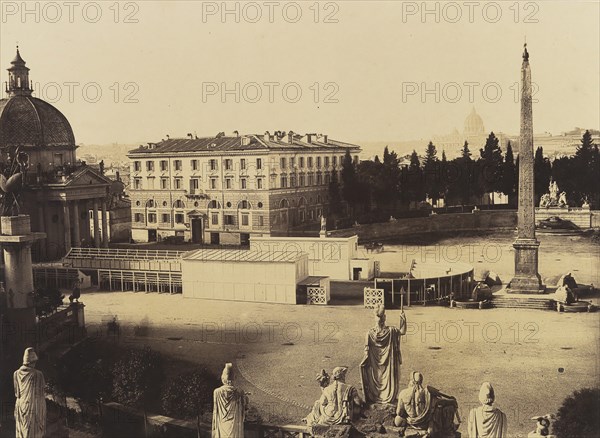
[{"x": 473, "y": 125}]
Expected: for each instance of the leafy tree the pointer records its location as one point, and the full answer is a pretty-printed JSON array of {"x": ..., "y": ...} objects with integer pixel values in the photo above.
[
  {"x": 542, "y": 170},
  {"x": 189, "y": 395},
  {"x": 578, "y": 415},
  {"x": 412, "y": 181},
  {"x": 390, "y": 178},
  {"x": 335, "y": 197},
  {"x": 431, "y": 171},
  {"x": 509, "y": 175},
  {"x": 490, "y": 166},
  {"x": 587, "y": 178},
  {"x": 351, "y": 191},
  {"x": 137, "y": 378}
]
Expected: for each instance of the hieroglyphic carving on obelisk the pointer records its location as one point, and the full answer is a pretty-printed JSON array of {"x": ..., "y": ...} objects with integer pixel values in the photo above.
[{"x": 526, "y": 279}]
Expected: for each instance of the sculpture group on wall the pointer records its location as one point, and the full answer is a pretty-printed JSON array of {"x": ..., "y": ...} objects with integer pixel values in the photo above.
[
  {"x": 13, "y": 174},
  {"x": 553, "y": 198}
]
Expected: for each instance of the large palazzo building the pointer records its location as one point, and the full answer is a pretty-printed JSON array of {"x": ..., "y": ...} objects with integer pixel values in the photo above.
[
  {"x": 223, "y": 189},
  {"x": 60, "y": 190}
]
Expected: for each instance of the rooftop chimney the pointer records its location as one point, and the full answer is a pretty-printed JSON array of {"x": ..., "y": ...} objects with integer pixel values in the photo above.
[
  {"x": 291, "y": 137},
  {"x": 267, "y": 136}
]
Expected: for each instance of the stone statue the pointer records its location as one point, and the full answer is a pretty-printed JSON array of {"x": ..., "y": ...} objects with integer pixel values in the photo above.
[
  {"x": 315, "y": 414},
  {"x": 487, "y": 421},
  {"x": 339, "y": 402},
  {"x": 380, "y": 368},
  {"x": 542, "y": 428},
  {"x": 586, "y": 203},
  {"x": 553, "y": 191},
  {"x": 12, "y": 181},
  {"x": 562, "y": 200},
  {"x": 323, "y": 224},
  {"x": 101, "y": 167},
  {"x": 565, "y": 295},
  {"x": 545, "y": 200},
  {"x": 229, "y": 408},
  {"x": 426, "y": 410},
  {"x": 30, "y": 404}
]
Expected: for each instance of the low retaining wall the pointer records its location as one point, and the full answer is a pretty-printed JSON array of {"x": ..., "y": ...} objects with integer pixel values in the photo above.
[
  {"x": 480, "y": 220},
  {"x": 582, "y": 217}
]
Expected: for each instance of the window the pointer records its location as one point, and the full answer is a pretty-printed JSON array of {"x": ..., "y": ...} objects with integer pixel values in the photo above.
[
  {"x": 137, "y": 166},
  {"x": 213, "y": 204},
  {"x": 194, "y": 164},
  {"x": 149, "y": 166},
  {"x": 244, "y": 204},
  {"x": 137, "y": 183},
  {"x": 327, "y": 179},
  {"x": 319, "y": 162},
  {"x": 293, "y": 181},
  {"x": 243, "y": 164},
  {"x": 310, "y": 161},
  {"x": 259, "y": 163},
  {"x": 261, "y": 221},
  {"x": 152, "y": 218},
  {"x": 229, "y": 219},
  {"x": 177, "y": 182},
  {"x": 139, "y": 217},
  {"x": 302, "y": 180},
  {"x": 311, "y": 179},
  {"x": 302, "y": 218},
  {"x": 326, "y": 161},
  {"x": 292, "y": 161},
  {"x": 283, "y": 181},
  {"x": 213, "y": 164},
  {"x": 177, "y": 164},
  {"x": 214, "y": 219},
  {"x": 164, "y": 183},
  {"x": 335, "y": 161},
  {"x": 319, "y": 179},
  {"x": 164, "y": 165},
  {"x": 282, "y": 163},
  {"x": 179, "y": 218},
  {"x": 213, "y": 183},
  {"x": 228, "y": 164},
  {"x": 165, "y": 218},
  {"x": 245, "y": 220},
  {"x": 243, "y": 183},
  {"x": 227, "y": 183},
  {"x": 194, "y": 185},
  {"x": 151, "y": 182},
  {"x": 179, "y": 204},
  {"x": 301, "y": 161},
  {"x": 259, "y": 183}
]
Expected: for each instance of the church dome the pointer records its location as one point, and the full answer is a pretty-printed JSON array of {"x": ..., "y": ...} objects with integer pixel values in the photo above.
[
  {"x": 26, "y": 120},
  {"x": 29, "y": 121},
  {"x": 473, "y": 125}
]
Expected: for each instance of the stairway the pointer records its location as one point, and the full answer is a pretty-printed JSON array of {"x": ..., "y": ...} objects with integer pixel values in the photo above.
[{"x": 520, "y": 302}]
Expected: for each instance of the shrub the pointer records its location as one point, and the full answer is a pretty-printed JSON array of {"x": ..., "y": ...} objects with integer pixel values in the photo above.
[
  {"x": 578, "y": 417},
  {"x": 47, "y": 300},
  {"x": 189, "y": 395},
  {"x": 137, "y": 378}
]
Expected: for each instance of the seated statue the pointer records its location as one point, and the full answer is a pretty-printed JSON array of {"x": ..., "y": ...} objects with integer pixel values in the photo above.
[
  {"x": 487, "y": 421},
  {"x": 339, "y": 402},
  {"x": 542, "y": 428},
  {"x": 426, "y": 410},
  {"x": 315, "y": 414},
  {"x": 562, "y": 200}
]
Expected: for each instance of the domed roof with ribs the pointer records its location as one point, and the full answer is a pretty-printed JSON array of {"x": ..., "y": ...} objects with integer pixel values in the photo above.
[{"x": 29, "y": 121}]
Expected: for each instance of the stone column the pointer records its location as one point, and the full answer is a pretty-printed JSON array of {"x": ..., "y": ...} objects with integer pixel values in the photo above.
[
  {"x": 76, "y": 226},
  {"x": 67, "y": 223},
  {"x": 527, "y": 280},
  {"x": 96, "y": 225},
  {"x": 42, "y": 229},
  {"x": 104, "y": 225}
]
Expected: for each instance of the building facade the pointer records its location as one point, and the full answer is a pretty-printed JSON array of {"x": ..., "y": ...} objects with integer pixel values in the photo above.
[
  {"x": 59, "y": 189},
  {"x": 222, "y": 190}
]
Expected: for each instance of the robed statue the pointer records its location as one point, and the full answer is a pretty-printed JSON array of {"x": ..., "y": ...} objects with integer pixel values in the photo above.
[
  {"x": 30, "y": 404},
  {"x": 380, "y": 368},
  {"x": 339, "y": 402},
  {"x": 487, "y": 421},
  {"x": 229, "y": 409}
]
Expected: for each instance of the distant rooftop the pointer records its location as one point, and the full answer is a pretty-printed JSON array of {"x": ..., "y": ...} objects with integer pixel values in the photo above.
[
  {"x": 241, "y": 255},
  {"x": 253, "y": 142}
]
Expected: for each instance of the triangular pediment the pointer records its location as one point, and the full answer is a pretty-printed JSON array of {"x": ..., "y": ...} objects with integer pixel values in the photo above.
[{"x": 87, "y": 176}]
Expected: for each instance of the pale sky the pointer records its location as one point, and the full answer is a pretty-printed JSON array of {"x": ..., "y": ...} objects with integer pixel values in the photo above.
[{"x": 370, "y": 59}]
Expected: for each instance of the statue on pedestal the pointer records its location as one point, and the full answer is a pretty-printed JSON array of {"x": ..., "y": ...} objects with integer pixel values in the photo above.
[
  {"x": 229, "y": 408},
  {"x": 339, "y": 402},
  {"x": 426, "y": 410},
  {"x": 323, "y": 224},
  {"x": 487, "y": 421},
  {"x": 380, "y": 368},
  {"x": 30, "y": 404},
  {"x": 553, "y": 198},
  {"x": 13, "y": 174}
]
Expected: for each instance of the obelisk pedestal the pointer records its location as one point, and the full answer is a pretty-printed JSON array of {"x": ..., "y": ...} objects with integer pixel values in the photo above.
[
  {"x": 16, "y": 239},
  {"x": 527, "y": 280}
]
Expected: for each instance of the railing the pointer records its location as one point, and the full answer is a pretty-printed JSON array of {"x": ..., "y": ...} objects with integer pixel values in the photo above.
[
  {"x": 126, "y": 254},
  {"x": 124, "y": 259}
]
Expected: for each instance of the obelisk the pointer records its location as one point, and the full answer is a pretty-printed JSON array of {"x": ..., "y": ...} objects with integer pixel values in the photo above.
[{"x": 527, "y": 280}]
